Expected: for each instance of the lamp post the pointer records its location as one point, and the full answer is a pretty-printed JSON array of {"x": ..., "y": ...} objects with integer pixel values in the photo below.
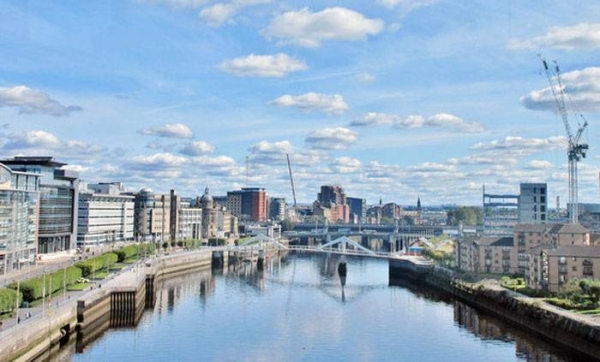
[
  {"x": 17, "y": 302},
  {"x": 44, "y": 290}
]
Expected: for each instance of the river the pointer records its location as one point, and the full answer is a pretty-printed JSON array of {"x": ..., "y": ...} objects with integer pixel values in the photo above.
[{"x": 297, "y": 310}]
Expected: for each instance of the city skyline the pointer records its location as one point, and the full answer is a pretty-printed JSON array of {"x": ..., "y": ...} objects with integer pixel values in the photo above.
[{"x": 390, "y": 99}]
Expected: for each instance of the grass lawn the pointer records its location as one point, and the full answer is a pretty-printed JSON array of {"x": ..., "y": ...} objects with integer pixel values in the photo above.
[
  {"x": 77, "y": 287},
  {"x": 590, "y": 312},
  {"x": 100, "y": 275}
]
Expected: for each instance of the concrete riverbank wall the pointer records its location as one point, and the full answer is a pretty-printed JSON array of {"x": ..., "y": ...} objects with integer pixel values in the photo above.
[
  {"x": 118, "y": 302},
  {"x": 563, "y": 328},
  {"x": 27, "y": 341}
]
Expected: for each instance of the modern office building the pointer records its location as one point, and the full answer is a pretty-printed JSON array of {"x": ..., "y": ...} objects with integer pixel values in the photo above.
[
  {"x": 57, "y": 224},
  {"x": 358, "y": 207},
  {"x": 277, "y": 208},
  {"x": 533, "y": 203},
  {"x": 105, "y": 214},
  {"x": 19, "y": 209}
]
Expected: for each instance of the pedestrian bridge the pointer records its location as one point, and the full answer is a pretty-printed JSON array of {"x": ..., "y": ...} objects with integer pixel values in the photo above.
[{"x": 342, "y": 246}]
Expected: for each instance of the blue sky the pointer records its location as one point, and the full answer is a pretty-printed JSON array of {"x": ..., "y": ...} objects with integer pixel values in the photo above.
[{"x": 392, "y": 99}]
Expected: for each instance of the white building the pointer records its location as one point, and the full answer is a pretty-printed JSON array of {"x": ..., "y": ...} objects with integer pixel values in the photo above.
[
  {"x": 189, "y": 222},
  {"x": 105, "y": 215}
]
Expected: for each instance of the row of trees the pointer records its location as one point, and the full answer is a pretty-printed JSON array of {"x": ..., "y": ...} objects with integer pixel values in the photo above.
[{"x": 41, "y": 287}]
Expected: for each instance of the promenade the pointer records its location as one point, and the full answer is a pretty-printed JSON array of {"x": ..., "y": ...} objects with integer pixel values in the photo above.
[{"x": 65, "y": 300}]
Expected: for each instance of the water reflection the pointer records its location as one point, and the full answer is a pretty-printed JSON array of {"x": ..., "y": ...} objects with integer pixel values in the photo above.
[
  {"x": 241, "y": 312},
  {"x": 488, "y": 327}
]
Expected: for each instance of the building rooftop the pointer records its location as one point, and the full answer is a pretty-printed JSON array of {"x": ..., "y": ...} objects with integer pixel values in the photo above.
[
  {"x": 583, "y": 251},
  {"x": 33, "y": 160},
  {"x": 552, "y": 228},
  {"x": 495, "y": 241}
]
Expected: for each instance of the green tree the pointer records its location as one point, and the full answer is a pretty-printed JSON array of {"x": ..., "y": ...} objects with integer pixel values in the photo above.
[
  {"x": 468, "y": 215},
  {"x": 287, "y": 225}
]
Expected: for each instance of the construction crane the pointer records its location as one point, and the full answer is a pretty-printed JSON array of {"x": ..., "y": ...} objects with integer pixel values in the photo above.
[
  {"x": 575, "y": 150},
  {"x": 292, "y": 182}
]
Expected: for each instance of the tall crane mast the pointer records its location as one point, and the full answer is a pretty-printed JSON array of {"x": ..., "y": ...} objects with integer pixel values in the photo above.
[
  {"x": 292, "y": 182},
  {"x": 575, "y": 150}
]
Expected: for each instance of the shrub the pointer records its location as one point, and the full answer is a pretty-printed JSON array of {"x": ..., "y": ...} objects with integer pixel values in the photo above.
[
  {"x": 90, "y": 266},
  {"x": 8, "y": 299},
  {"x": 34, "y": 289}
]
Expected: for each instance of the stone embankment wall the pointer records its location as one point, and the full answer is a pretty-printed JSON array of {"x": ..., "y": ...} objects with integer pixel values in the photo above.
[
  {"x": 565, "y": 328},
  {"x": 27, "y": 341},
  {"x": 119, "y": 302}
]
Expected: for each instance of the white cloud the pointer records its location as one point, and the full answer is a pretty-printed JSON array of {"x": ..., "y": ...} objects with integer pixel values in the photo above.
[
  {"x": 582, "y": 36},
  {"x": 281, "y": 147},
  {"x": 222, "y": 13},
  {"x": 270, "y": 153},
  {"x": 31, "y": 101},
  {"x": 157, "y": 162},
  {"x": 373, "y": 119},
  {"x": 39, "y": 139},
  {"x": 331, "y": 138},
  {"x": 217, "y": 14},
  {"x": 417, "y": 121},
  {"x": 176, "y": 130},
  {"x": 42, "y": 142},
  {"x": 345, "y": 165},
  {"x": 365, "y": 78},
  {"x": 473, "y": 160},
  {"x": 197, "y": 148},
  {"x": 539, "y": 165},
  {"x": 217, "y": 166},
  {"x": 432, "y": 167},
  {"x": 406, "y": 6},
  {"x": 449, "y": 120},
  {"x": 581, "y": 86},
  {"x": 331, "y": 104},
  {"x": 521, "y": 146},
  {"x": 218, "y": 161},
  {"x": 305, "y": 28},
  {"x": 278, "y": 65}
]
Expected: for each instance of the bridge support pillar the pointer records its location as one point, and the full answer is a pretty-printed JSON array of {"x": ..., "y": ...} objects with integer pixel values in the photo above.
[
  {"x": 217, "y": 259},
  {"x": 342, "y": 270},
  {"x": 260, "y": 262}
]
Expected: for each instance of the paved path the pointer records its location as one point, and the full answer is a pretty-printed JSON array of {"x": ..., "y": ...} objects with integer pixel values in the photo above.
[{"x": 125, "y": 277}]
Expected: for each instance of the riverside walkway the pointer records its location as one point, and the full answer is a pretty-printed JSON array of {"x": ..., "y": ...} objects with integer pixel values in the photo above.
[{"x": 67, "y": 300}]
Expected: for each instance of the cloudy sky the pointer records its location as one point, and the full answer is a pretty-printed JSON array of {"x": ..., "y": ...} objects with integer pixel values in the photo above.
[{"x": 392, "y": 99}]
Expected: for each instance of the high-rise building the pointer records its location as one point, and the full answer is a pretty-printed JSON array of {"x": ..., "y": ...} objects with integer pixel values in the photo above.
[
  {"x": 57, "y": 230},
  {"x": 19, "y": 202},
  {"x": 277, "y": 208},
  {"x": 248, "y": 204},
  {"x": 533, "y": 203},
  {"x": 358, "y": 207},
  {"x": 331, "y": 203},
  {"x": 105, "y": 214}
]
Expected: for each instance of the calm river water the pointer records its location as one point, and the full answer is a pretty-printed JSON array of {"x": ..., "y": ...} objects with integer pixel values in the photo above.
[{"x": 297, "y": 310}]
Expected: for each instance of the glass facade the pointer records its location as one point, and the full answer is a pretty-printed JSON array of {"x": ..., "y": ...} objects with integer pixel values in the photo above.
[
  {"x": 18, "y": 220},
  {"x": 57, "y": 227}
]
